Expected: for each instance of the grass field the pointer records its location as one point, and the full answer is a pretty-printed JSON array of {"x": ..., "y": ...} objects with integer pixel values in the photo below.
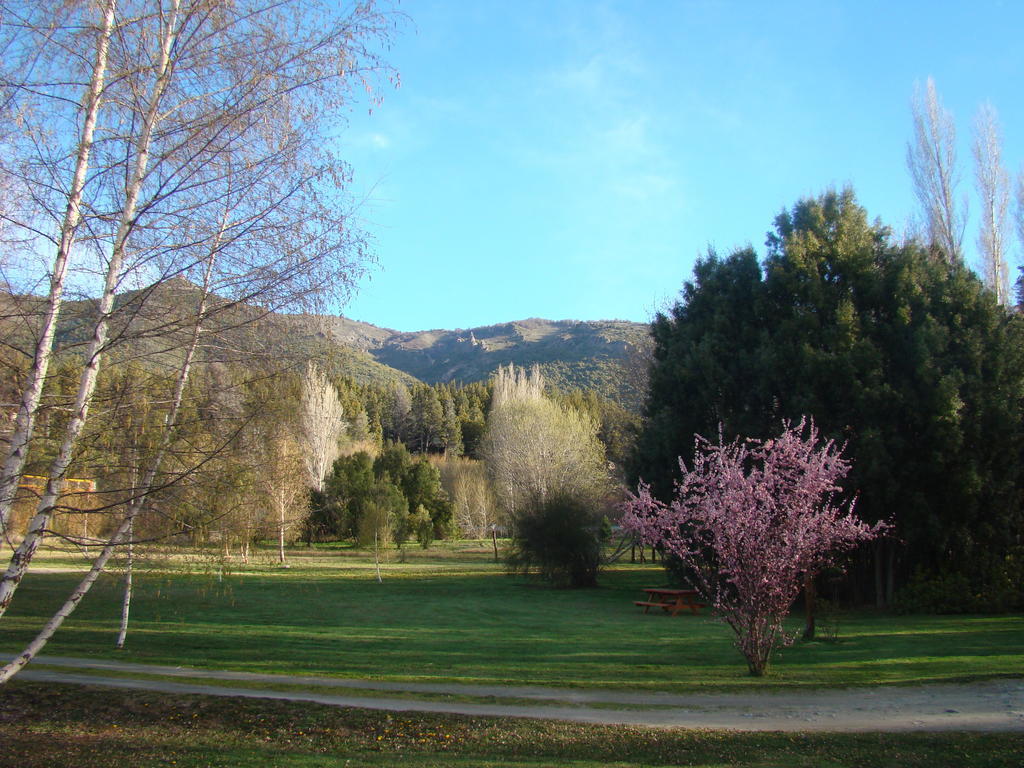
[{"x": 450, "y": 615}]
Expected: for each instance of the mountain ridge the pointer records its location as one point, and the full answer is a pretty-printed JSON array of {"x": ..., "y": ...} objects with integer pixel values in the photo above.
[
  {"x": 605, "y": 356},
  {"x": 600, "y": 355}
]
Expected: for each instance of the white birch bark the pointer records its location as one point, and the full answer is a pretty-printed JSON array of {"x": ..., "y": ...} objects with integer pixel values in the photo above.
[
  {"x": 283, "y": 486},
  {"x": 124, "y": 530},
  {"x": 126, "y": 601},
  {"x": 51, "y": 626},
  {"x": 281, "y": 526},
  {"x": 87, "y": 383},
  {"x": 246, "y": 115},
  {"x": 14, "y": 462}
]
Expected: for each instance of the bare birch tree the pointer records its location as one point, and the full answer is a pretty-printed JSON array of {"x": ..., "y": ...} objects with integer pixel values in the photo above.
[
  {"x": 322, "y": 424},
  {"x": 39, "y": 522},
  {"x": 27, "y": 43},
  {"x": 993, "y": 184},
  {"x": 126, "y": 599},
  {"x": 284, "y": 488},
  {"x": 192, "y": 101},
  {"x": 473, "y": 504},
  {"x": 182, "y": 83},
  {"x": 931, "y": 160}
]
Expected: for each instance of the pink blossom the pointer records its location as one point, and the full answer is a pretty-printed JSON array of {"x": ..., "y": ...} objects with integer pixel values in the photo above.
[{"x": 748, "y": 521}]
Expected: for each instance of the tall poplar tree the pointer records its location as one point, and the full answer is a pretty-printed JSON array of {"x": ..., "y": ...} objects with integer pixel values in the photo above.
[
  {"x": 322, "y": 425},
  {"x": 993, "y": 184},
  {"x": 535, "y": 448},
  {"x": 931, "y": 159}
]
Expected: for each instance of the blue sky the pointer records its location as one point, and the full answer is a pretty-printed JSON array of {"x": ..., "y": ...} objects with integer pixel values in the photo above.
[{"x": 572, "y": 158}]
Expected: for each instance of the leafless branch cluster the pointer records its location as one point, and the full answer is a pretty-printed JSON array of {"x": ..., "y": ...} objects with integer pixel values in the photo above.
[
  {"x": 932, "y": 161},
  {"x": 154, "y": 144}
]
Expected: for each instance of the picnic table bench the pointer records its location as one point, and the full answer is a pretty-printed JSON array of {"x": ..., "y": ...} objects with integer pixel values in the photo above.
[{"x": 672, "y": 601}]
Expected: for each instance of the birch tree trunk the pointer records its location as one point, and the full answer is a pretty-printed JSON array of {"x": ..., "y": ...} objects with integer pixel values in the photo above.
[
  {"x": 87, "y": 383},
  {"x": 285, "y": 487},
  {"x": 280, "y": 535},
  {"x": 51, "y": 626},
  {"x": 266, "y": 110},
  {"x": 24, "y": 424},
  {"x": 171, "y": 420},
  {"x": 126, "y": 602},
  {"x": 125, "y": 529}
]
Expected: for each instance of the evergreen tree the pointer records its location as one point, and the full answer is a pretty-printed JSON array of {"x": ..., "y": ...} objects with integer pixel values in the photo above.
[
  {"x": 451, "y": 432},
  {"x": 393, "y": 462},
  {"x": 397, "y": 416},
  {"x": 345, "y": 494},
  {"x": 422, "y": 487},
  {"x": 902, "y": 355},
  {"x": 427, "y": 417}
]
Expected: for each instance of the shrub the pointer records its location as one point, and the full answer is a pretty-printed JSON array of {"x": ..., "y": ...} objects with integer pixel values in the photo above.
[
  {"x": 1001, "y": 590},
  {"x": 422, "y": 526},
  {"x": 376, "y": 526},
  {"x": 558, "y": 541}
]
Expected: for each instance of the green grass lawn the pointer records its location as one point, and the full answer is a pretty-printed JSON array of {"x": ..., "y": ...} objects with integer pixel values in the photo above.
[{"x": 450, "y": 614}]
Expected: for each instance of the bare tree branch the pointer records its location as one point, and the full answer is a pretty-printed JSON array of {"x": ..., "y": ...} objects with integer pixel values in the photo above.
[{"x": 993, "y": 185}]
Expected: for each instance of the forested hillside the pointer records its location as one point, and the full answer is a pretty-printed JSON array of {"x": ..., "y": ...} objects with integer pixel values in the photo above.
[{"x": 605, "y": 357}]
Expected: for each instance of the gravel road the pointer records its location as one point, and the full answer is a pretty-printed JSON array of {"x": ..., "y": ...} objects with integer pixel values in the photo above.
[{"x": 985, "y": 706}]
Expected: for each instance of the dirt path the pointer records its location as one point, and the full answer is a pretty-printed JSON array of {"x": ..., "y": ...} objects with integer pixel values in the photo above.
[{"x": 988, "y": 706}]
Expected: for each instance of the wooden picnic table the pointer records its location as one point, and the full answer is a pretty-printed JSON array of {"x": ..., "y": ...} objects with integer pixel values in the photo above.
[{"x": 672, "y": 601}]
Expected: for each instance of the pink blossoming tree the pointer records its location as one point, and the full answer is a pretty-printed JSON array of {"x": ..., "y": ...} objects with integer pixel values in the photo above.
[{"x": 749, "y": 520}]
